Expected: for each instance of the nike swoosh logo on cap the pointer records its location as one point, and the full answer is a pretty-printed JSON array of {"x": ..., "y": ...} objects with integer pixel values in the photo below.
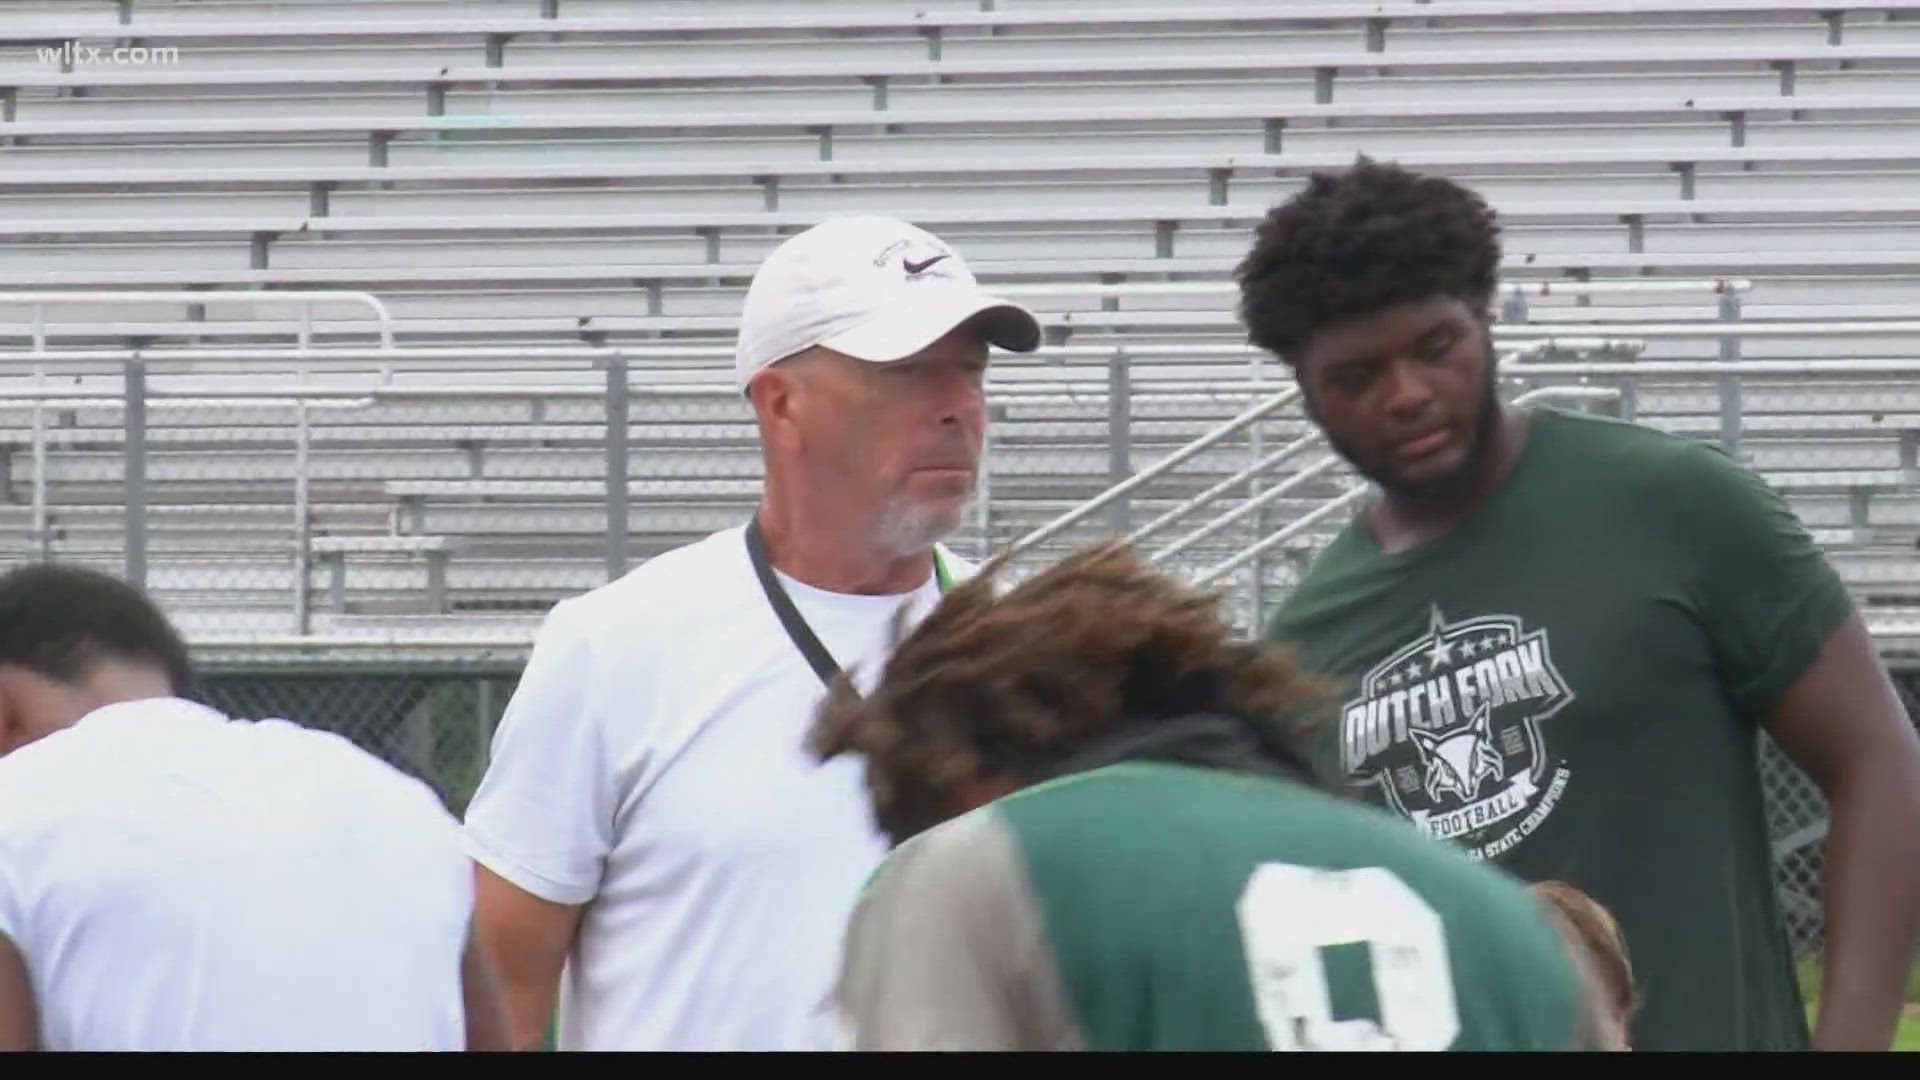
[{"x": 920, "y": 267}]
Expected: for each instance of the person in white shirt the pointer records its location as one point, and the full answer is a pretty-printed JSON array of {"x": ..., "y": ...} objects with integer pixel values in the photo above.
[
  {"x": 655, "y": 847},
  {"x": 175, "y": 880}
]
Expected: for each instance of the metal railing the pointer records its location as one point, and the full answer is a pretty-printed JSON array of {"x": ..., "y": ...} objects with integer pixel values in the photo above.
[
  {"x": 709, "y": 349},
  {"x": 40, "y": 300}
]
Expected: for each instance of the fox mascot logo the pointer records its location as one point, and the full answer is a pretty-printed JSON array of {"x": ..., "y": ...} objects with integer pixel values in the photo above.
[{"x": 1458, "y": 760}]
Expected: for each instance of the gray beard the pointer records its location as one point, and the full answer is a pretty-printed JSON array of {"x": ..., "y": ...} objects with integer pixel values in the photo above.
[{"x": 906, "y": 529}]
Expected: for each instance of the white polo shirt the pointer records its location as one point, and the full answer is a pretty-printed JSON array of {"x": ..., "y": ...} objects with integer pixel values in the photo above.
[
  {"x": 180, "y": 881},
  {"x": 652, "y": 766}
]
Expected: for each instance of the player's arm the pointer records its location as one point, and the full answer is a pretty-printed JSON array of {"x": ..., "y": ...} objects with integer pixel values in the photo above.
[
  {"x": 1842, "y": 722},
  {"x": 540, "y": 825},
  {"x": 489, "y": 1027},
  {"x": 19, "y": 1015},
  {"x": 1795, "y": 654},
  {"x": 525, "y": 940},
  {"x": 944, "y": 951}
]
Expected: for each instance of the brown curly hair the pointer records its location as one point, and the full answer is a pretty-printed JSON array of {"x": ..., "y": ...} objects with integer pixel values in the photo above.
[
  {"x": 1005, "y": 686},
  {"x": 1592, "y": 930}
]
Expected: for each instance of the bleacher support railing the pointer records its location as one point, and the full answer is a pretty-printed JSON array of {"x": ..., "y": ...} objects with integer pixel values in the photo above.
[{"x": 303, "y": 331}]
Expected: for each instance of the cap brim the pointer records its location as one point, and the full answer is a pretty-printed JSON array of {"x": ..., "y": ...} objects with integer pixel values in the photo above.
[{"x": 924, "y": 315}]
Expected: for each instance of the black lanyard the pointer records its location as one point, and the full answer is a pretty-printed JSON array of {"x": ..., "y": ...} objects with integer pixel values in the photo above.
[{"x": 796, "y": 625}]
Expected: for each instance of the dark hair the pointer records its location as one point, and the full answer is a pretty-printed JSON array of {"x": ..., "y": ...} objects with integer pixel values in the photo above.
[
  {"x": 1360, "y": 240},
  {"x": 1009, "y": 685},
  {"x": 59, "y": 620}
]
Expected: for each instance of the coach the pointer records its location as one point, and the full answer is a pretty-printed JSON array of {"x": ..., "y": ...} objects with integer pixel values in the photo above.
[
  {"x": 1561, "y": 635},
  {"x": 651, "y": 824}
]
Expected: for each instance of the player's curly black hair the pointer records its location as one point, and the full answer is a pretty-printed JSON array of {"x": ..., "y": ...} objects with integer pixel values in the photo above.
[
  {"x": 1008, "y": 686},
  {"x": 1359, "y": 240}
]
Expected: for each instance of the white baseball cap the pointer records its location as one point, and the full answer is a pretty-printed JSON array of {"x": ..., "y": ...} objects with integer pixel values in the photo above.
[{"x": 871, "y": 287}]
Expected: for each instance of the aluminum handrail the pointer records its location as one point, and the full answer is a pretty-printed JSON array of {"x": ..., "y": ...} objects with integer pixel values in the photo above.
[
  {"x": 1148, "y": 475},
  {"x": 365, "y": 395},
  {"x": 281, "y": 396},
  {"x": 1252, "y": 505},
  {"x": 1222, "y": 487},
  {"x": 1717, "y": 286},
  {"x": 643, "y": 351},
  {"x": 40, "y": 299}
]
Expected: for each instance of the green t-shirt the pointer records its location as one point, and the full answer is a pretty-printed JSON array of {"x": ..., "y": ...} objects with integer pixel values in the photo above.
[
  {"x": 1570, "y": 681},
  {"x": 1151, "y": 906}
]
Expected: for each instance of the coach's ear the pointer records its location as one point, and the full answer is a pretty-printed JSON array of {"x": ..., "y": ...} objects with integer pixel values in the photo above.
[{"x": 24, "y": 707}]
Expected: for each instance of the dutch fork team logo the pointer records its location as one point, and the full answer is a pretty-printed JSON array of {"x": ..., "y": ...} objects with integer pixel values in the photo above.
[{"x": 1450, "y": 728}]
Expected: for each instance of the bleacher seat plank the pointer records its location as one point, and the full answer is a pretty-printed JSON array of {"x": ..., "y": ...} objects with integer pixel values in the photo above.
[
  {"x": 1149, "y": 19},
  {"x": 1630, "y": 55},
  {"x": 1198, "y": 166}
]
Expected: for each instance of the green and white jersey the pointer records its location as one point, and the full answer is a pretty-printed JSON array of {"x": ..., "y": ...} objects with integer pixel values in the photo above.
[{"x": 1148, "y": 906}]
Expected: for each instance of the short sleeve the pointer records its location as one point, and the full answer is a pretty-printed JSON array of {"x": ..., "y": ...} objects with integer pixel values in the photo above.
[
  {"x": 1765, "y": 592},
  {"x": 942, "y": 951},
  {"x": 542, "y": 817}
]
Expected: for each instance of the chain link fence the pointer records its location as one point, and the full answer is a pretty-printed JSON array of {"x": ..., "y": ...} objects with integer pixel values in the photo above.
[
  {"x": 1797, "y": 823},
  {"x": 433, "y": 725}
]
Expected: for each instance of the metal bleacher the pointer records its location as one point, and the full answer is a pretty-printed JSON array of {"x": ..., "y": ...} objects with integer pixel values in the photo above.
[{"x": 310, "y": 310}]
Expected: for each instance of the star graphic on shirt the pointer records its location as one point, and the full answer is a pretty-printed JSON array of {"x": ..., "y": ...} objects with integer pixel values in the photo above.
[{"x": 1435, "y": 648}]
